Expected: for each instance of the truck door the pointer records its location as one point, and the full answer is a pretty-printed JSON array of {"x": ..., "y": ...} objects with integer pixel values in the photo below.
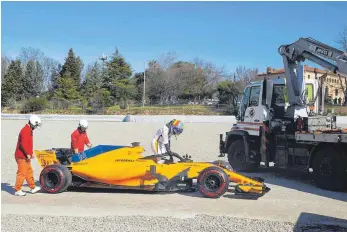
[
  {"x": 254, "y": 111},
  {"x": 244, "y": 103}
]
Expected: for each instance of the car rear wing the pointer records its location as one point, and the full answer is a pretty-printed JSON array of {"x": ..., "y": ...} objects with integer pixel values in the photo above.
[{"x": 46, "y": 157}]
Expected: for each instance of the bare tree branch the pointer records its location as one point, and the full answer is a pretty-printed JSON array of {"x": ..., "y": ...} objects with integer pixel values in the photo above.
[
  {"x": 342, "y": 41},
  {"x": 30, "y": 53},
  {"x": 245, "y": 75}
]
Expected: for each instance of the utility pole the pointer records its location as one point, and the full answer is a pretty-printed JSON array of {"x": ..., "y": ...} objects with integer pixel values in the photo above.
[
  {"x": 144, "y": 86},
  {"x": 103, "y": 58}
]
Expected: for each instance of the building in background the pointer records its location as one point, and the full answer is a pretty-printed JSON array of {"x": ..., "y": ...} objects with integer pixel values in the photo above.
[{"x": 333, "y": 88}]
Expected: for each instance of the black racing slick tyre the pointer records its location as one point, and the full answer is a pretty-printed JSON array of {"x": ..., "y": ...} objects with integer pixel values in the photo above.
[
  {"x": 55, "y": 178},
  {"x": 329, "y": 169},
  {"x": 237, "y": 158},
  {"x": 212, "y": 182}
]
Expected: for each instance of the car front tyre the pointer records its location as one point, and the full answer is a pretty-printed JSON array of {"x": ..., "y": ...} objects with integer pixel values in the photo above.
[{"x": 213, "y": 182}]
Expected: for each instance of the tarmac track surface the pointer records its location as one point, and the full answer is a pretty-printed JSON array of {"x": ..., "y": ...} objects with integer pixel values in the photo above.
[{"x": 293, "y": 204}]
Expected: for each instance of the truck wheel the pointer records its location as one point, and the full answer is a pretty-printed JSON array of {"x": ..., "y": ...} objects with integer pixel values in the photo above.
[
  {"x": 329, "y": 169},
  {"x": 237, "y": 158},
  {"x": 213, "y": 182},
  {"x": 55, "y": 178}
]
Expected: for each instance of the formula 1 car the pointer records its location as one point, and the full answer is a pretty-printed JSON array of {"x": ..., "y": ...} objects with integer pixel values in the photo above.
[{"x": 124, "y": 167}]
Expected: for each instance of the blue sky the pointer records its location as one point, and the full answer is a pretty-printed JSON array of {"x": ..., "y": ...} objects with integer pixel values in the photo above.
[{"x": 227, "y": 33}]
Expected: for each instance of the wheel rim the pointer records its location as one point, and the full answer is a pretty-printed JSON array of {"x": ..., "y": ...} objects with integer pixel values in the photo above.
[
  {"x": 326, "y": 168},
  {"x": 213, "y": 182},
  {"x": 240, "y": 156},
  {"x": 52, "y": 180}
]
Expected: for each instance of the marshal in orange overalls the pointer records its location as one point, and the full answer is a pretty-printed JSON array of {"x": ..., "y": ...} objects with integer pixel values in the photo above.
[{"x": 23, "y": 154}]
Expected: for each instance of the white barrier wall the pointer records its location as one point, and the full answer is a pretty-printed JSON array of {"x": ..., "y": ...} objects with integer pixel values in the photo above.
[
  {"x": 134, "y": 118},
  {"x": 341, "y": 120}
]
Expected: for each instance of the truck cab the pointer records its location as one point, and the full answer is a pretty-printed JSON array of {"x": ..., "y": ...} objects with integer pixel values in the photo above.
[{"x": 262, "y": 98}]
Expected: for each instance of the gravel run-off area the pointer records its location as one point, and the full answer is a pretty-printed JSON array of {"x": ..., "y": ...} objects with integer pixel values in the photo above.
[{"x": 293, "y": 204}]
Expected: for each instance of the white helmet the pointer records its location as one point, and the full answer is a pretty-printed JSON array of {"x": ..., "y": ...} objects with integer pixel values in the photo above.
[
  {"x": 34, "y": 121},
  {"x": 83, "y": 124}
]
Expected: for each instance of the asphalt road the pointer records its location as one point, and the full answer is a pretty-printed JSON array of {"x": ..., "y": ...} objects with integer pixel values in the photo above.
[{"x": 292, "y": 202}]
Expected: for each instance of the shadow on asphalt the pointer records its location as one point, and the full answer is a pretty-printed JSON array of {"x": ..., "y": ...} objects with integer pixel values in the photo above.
[
  {"x": 110, "y": 190},
  {"x": 315, "y": 222},
  {"x": 297, "y": 180},
  {"x": 6, "y": 187}
]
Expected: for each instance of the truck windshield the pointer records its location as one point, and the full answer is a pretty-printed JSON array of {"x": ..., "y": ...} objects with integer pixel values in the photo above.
[
  {"x": 279, "y": 94},
  {"x": 254, "y": 96}
]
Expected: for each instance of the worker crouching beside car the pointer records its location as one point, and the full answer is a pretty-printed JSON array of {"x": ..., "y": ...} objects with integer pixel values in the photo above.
[
  {"x": 79, "y": 137},
  {"x": 23, "y": 155}
]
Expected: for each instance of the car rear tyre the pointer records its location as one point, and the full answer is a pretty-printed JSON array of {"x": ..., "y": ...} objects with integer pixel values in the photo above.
[
  {"x": 237, "y": 158},
  {"x": 213, "y": 182},
  {"x": 329, "y": 169},
  {"x": 55, "y": 178}
]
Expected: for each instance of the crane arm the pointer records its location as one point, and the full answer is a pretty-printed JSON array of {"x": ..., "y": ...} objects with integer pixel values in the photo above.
[{"x": 308, "y": 48}]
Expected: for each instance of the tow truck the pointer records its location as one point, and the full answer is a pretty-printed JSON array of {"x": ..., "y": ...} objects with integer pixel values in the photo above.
[{"x": 296, "y": 135}]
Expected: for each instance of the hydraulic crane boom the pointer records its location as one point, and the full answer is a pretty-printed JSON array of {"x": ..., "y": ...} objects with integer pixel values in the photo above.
[{"x": 307, "y": 48}]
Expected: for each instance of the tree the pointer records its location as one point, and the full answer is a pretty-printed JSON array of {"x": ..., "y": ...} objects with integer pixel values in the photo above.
[
  {"x": 161, "y": 78},
  {"x": 186, "y": 79},
  {"x": 168, "y": 78},
  {"x": 93, "y": 80},
  {"x": 67, "y": 89},
  {"x": 118, "y": 72},
  {"x": 118, "y": 68},
  {"x": 67, "y": 84},
  {"x": 207, "y": 77},
  {"x": 245, "y": 75},
  {"x": 342, "y": 41},
  {"x": 155, "y": 81},
  {"x": 38, "y": 84},
  {"x": 101, "y": 98},
  {"x": 54, "y": 77},
  {"x": 228, "y": 91},
  {"x": 29, "y": 79},
  {"x": 126, "y": 90},
  {"x": 12, "y": 85},
  {"x": 47, "y": 64},
  {"x": 72, "y": 67},
  {"x": 138, "y": 81},
  {"x": 5, "y": 62},
  {"x": 33, "y": 79},
  {"x": 30, "y": 53}
]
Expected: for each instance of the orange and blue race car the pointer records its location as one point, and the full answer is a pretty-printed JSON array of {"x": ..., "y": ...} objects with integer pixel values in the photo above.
[{"x": 124, "y": 167}]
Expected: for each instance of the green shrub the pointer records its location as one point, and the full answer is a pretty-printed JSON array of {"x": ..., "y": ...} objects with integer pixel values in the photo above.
[
  {"x": 33, "y": 105},
  {"x": 60, "y": 104},
  {"x": 11, "y": 103}
]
